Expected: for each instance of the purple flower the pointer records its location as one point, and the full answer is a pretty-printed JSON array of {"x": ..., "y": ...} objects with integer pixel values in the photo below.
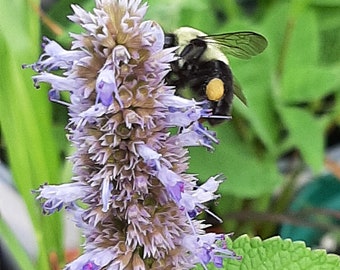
[
  {"x": 90, "y": 266},
  {"x": 130, "y": 192},
  {"x": 106, "y": 86}
]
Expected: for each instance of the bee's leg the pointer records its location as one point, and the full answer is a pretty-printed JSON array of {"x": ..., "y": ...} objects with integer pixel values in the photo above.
[
  {"x": 209, "y": 77},
  {"x": 170, "y": 40},
  {"x": 221, "y": 71},
  {"x": 213, "y": 80}
]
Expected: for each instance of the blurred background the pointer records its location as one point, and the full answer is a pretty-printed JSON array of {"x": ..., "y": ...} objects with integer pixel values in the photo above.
[{"x": 280, "y": 154}]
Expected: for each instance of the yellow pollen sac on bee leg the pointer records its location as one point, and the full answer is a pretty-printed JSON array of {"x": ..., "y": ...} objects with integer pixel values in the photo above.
[{"x": 215, "y": 89}]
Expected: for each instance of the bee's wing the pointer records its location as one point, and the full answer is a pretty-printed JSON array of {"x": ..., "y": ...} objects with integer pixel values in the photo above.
[
  {"x": 238, "y": 91},
  {"x": 243, "y": 45}
]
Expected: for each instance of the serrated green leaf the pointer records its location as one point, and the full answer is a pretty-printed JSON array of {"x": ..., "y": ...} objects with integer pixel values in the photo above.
[{"x": 277, "y": 254}]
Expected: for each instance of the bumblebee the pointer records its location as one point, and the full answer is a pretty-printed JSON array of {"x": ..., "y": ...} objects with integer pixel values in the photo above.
[{"x": 203, "y": 66}]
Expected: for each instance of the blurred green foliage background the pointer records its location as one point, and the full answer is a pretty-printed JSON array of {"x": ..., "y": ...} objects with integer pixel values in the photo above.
[{"x": 292, "y": 117}]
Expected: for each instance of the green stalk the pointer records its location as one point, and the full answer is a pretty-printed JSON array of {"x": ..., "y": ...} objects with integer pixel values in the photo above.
[{"x": 25, "y": 120}]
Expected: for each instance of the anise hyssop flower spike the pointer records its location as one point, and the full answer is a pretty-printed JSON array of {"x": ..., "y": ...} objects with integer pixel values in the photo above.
[{"x": 130, "y": 192}]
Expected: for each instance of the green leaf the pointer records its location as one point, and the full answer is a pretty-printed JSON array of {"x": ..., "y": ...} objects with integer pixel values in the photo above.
[
  {"x": 254, "y": 78},
  {"x": 58, "y": 14},
  {"x": 238, "y": 162},
  {"x": 318, "y": 197},
  {"x": 273, "y": 27},
  {"x": 26, "y": 120},
  {"x": 182, "y": 13},
  {"x": 19, "y": 254},
  {"x": 306, "y": 133},
  {"x": 307, "y": 83},
  {"x": 327, "y": 3},
  {"x": 303, "y": 43},
  {"x": 277, "y": 254}
]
